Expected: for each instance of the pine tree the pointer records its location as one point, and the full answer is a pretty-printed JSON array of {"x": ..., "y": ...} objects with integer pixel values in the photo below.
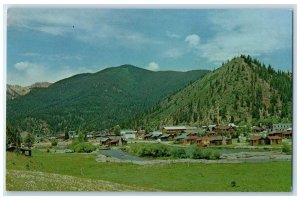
[{"x": 29, "y": 140}]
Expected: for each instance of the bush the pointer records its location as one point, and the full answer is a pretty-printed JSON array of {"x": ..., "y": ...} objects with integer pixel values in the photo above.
[
  {"x": 286, "y": 148},
  {"x": 197, "y": 153},
  {"x": 205, "y": 154},
  {"x": 152, "y": 150},
  {"x": 29, "y": 140},
  {"x": 215, "y": 155},
  {"x": 178, "y": 153},
  {"x": 54, "y": 142},
  {"x": 81, "y": 147}
]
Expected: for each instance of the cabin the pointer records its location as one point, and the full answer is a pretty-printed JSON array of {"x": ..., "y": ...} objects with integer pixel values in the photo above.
[
  {"x": 109, "y": 134},
  {"x": 223, "y": 129},
  {"x": 147, "y": 136},
  {"x": 140, "y": 133},
  {"x": 192, "y": 130},
  {"x": 174, "y": 129},
  {"x": 256, "y": 140},
  {"x": 181, "y": 138},
  {"x": 211, "y": 133},
  {"x": 105, "y": 141},
  {"x": 276, "y": 133},
  {"x": 155, "y": 135},
  {"x": 167, "y": 137},
  {"x": 192, "y": 139},
  {"x": 257, "y": 129},
  {"x": 113, "y": 142},
  {"x": 203, "y": 141},
  {"x": 228, "y": 141},
  {"x": 273, "y": 140},
  {"x": 287, "y": 134},
  {"x": 216, "y": 140}
]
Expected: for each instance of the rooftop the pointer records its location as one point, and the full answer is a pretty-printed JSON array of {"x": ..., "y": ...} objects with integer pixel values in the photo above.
[
  {"x": 156, "y": 134},
  {"x": 175, "y": 127},
  {"x": 274, "y": 137},
  {"x": 182, "y": 136},
  {"x": 255, "y": 138}
]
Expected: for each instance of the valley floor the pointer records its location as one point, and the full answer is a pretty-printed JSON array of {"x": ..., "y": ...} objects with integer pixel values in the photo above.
[{"x": 80, "y": 172}]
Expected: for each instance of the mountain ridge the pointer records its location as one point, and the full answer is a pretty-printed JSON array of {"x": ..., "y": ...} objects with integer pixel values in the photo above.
[
  {"x": 95, "y": 101},
  {"x": 243, "y": 90}
]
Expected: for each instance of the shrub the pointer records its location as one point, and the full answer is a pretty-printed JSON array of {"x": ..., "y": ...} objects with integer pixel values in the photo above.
[
  {"x": 233, "y": 183},
  {"x": 152, "y": 150},
  {"x": 54, "y": 142},
  {"x": 29, "y": 140},
  {"x": 205, "y": 154},
  {"x": 286, "y": 148},
  {"x": 81, "y": 147},
  {"x": 66, "y": 136},
  {"x": 178, "y": 153},
  {"x": 215, "y": 155},
  {"x": 197, "y": 153}
]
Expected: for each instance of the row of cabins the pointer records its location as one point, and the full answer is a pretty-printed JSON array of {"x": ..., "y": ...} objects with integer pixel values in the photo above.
[
  {"x": 274, "y": 127},
  {"x": 112, "y": 139},
  {"x": 203, "y": 141},
  {"x": 188, "y": 138},
  {"x": 274, "y": 137},
  {"x": 215, "y": 134}
]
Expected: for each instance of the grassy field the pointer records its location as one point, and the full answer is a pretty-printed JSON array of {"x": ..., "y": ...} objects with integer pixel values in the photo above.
[
  {"x": 81, "y": 168},
  {"x": 41, "y": 181}
]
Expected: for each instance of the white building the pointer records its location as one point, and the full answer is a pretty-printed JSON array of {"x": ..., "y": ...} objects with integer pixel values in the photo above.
[
  {"x": 281, "y": 127},
  {"x": 128, "y": 134}
]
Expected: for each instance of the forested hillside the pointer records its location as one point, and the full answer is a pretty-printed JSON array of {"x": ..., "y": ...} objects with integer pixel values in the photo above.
[
  {"x": 95, "y": 101},
  {"x": 241, "y": 91}
]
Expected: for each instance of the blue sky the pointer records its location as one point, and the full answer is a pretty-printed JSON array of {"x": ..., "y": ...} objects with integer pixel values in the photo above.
[{"x": 43, "y": 45}]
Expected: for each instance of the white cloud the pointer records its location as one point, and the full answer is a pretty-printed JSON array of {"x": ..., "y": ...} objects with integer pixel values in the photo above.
[
  {"x": 90, "y": 25},
  {"x": 28, "y": 73},
  {"x": 23, "y": 65},
  {"x": 174, "y": 53},
  {"x": 193, "y": 40},
  {"x": 153, "y": 66},
  {"x": 51, "y": 57},
  {"x": 52, "y": 30},
  {"x": 172, "y": 35},
  {"x": 253, "y": 32}
]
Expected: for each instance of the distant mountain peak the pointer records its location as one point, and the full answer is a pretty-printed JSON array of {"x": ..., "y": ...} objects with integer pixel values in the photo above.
[
  {"x": 14, "y": 91},
  {"x": 242, "y": 90}
]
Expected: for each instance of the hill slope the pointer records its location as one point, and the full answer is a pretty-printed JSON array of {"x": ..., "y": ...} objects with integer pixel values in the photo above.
[
  {"x": 14, "y": 91},
  {"x": 241, "y": 91},
  {"x": 95, "y": 101}
]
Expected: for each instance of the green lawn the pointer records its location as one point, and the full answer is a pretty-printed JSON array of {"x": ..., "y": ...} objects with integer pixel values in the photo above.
[{"x": 249, "y": 177}]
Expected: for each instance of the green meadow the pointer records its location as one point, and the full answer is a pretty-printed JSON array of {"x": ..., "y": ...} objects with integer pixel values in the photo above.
[{"x": 23, "y": 173}]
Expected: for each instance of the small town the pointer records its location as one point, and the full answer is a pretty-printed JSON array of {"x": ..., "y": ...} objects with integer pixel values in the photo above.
[
  {"x": 205, "y": 136},
  {"x": 228, "y": 136}
]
